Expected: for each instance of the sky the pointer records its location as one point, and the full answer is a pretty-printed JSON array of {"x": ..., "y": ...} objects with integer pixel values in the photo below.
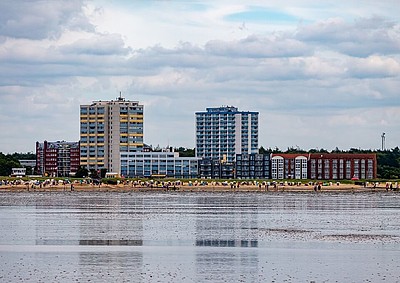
[{"x": 322, "y": 74}]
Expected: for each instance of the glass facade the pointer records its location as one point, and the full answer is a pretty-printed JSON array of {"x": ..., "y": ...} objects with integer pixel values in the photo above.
[
  {"x": 159, "y": 164},
  {"x": 253, "y": 166}
]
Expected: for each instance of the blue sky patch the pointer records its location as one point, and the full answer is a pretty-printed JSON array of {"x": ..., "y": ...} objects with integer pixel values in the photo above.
[{"x": 261, "y": 15}]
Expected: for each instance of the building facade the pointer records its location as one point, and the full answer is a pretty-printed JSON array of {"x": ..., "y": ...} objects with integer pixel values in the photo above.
[
  {"x": 289, "y": 166},
  {"x": 253, "y": 166},
  {"x": 57, "y": 159},
  {"x": 332, "y": 166},
  {"x": 108, "y": 128},
  {"x": 18, "y": 172},
  {"x": 223, "y": 132},
  {"x": 28, "y": 163},
  {"x": 158, "y": 164},
  {"x": 216, "y": 169}
]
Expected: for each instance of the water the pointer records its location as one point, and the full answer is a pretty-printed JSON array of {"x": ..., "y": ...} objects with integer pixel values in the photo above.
[{"x": 199, "y": 237}]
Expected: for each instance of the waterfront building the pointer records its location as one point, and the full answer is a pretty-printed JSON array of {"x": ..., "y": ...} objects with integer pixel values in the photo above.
[
  {"x": 108, "y": 128},
  {"x": 223, "y": 132},
  {"x": 28, "y": 163},
  {"x": 158, "y": 164},
  {"x": 18, "y": 172},
  {"x": 57, "y": 159},
  {"x": 216, "y": 169},
  {"x": 338, "y": 166},
  {"x": 206, "y": 168},
  {"x": 253, "y": 166},
  {"x": 289, "y": 166}
]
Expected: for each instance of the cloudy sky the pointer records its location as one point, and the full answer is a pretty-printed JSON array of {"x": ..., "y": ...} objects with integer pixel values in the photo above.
[{"x": 321, "y": 73}]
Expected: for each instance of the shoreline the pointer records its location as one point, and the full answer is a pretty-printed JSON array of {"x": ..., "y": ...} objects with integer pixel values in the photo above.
[{"x": 343, "y": 188}]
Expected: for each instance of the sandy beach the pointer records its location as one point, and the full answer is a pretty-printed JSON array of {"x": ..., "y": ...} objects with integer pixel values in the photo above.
[{"x": 193, "y": 187}]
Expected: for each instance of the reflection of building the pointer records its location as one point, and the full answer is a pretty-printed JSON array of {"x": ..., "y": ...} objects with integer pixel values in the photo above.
[
  {"x": 158, "y": 164},
  {"x": 229, "y": 225},
  {"x": 223, "y": 132},
  {"x": 58, "y": 158},
  {"x": 342, "y": 166},
  {"x": 107, "y": 129},
  {"x": 289, "y": 166},
  {"x": 253, "y": 166}
]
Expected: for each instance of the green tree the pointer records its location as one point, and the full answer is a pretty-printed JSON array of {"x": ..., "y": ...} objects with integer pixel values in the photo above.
[
  {"x": 103, "y": 172},
  {"x": 7, "y": 162},
  {"x": 94, "y": 174},
  {"x": 262, "y": 150},
  {"x": 295, "y": 150},
  {"x": 388, "y": 163},
  {"x": 185, "y": 152},
  {"x": 82, "y": 172},
  {"x": 22, "y": 156}
]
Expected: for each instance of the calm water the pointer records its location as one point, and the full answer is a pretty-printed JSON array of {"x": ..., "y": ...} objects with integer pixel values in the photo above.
[{"x": 199, "y": 237}]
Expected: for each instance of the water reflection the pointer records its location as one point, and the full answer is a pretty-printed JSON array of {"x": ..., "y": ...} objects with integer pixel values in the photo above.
[
  {"x": 53, "y": 242},
  {"x": 227, "y": 243},
  {"x": 64, "y": 237},
  {"x": 226, "y": 222}
]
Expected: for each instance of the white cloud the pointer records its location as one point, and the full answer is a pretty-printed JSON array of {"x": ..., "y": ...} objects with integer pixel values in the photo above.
[
  {"x": 33, "y": 19},
  {"x": 323, "y": 81},
  {"x": 374, "y": 66},
  {"x": 256, "y": 47},
  {"x": 98, "y": 44},
  {"x": 364, "y": 37}
]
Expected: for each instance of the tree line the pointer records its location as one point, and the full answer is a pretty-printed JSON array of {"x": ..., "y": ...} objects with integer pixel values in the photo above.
[{"x": 9, "y": 161}]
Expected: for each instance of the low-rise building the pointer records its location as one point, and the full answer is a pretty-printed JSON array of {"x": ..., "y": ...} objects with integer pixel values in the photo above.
[
  {"x": 216, "y": 169},
  {"x": 338, "y": 166},
  {"x": 158, "y": 164},
  {"x": 253, "y": 166},
  {"x": 28, "y": 163},
  {"x": 18, "y": 172},
  {"x": 289, "y": 166}
]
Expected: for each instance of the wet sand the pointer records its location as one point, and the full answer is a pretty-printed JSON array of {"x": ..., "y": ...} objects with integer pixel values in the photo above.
[{"x": 199, "y": 237}]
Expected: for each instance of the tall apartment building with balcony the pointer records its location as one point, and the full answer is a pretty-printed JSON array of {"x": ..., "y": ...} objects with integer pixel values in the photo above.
[
  {"x": 107, "y": 129},
  {"x": 223, "y": 132}
]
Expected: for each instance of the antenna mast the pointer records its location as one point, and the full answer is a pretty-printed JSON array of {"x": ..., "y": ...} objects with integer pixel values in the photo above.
[
  {"x": 120, "y": 98},
  {"x": 383, "y": 141}
]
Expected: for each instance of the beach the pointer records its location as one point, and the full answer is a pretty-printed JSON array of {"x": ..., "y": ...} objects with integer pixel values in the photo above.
[{"x": 200, "y": 186}]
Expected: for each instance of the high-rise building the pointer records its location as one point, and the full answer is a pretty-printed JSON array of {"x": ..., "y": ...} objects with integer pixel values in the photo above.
[
  {"x": 107, "y": 129},
  {"x": 223, "y": 132},
  {"x": 57, "y": 159}
]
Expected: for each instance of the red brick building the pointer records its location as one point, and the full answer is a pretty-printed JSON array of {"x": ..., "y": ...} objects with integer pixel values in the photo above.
[
  {"x": 289, "y": 166},
  {"x": 57, "y": 159},
  {"x": 338, "y": 166}
]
